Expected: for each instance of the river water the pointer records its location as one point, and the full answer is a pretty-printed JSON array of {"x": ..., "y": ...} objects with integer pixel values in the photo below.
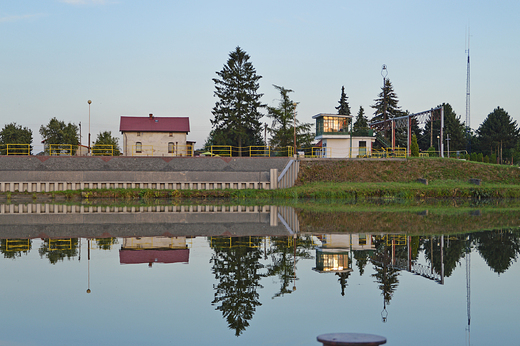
[{"x": 258, "y": 275}]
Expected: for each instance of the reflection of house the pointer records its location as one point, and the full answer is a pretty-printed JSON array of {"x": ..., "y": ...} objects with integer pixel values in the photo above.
[
  {"x": 154, "y": 250},
  {"x": 334, "y": 133},
  {"x": 333, "y": 254},
  {"x": 156, "y": 136}
]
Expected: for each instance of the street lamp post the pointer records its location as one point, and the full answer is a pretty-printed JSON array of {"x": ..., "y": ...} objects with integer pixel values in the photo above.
[
  {"x": 89, "y": 102},
  {"x": 294, "y": 130}
]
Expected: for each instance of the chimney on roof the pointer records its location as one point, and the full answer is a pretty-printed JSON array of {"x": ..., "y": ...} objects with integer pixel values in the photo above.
[{"x": 151, "y": 116}]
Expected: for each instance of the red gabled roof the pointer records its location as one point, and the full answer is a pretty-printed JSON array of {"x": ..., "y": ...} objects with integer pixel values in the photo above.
[
  {"x": 127, "y": 256},
  {"x": 154, "y": 124}
]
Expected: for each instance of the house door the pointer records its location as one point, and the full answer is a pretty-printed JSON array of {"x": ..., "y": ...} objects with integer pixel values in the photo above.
[{"x": 362, "y": 148}]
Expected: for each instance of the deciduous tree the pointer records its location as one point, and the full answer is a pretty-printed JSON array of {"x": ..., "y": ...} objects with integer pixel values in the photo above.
[
  {"x": 57, "y": 132},
  {"x": 15, "y": 134},
  {"x": 103, "y": 141}
]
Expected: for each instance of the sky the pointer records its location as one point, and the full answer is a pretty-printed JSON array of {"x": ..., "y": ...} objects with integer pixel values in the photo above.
[{"x": 140, "y": 57}]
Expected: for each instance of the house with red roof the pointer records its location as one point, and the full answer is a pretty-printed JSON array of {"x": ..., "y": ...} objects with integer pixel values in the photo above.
[{"x": 156, "y": 136}]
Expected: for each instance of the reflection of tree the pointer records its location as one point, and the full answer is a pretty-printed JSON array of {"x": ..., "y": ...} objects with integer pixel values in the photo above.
[
  {"x": 361, "y": 260},
  {"x": 236, "y": 266},
  {"x": 58, "y": 249},
  {"x": 498, "y": 248},
  {"x": 105, "y": 243},
  {"x": 386, "y": 275},
  {"x": 12, "y": 248},
  {"x": 454, "y": 249},
  {"x": 285, "y": 253},
  {"x": 343, "y": 281}
]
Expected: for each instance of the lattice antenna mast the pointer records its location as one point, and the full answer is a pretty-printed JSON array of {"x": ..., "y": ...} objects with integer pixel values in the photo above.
[
  {"x": 468, "y": 288},
  {"x": 468, "y": 117}
]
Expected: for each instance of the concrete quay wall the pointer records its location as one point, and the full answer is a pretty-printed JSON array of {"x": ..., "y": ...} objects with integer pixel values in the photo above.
[
  {"x": 55, "y": 173},
  {"x": 24, "y": 221}
]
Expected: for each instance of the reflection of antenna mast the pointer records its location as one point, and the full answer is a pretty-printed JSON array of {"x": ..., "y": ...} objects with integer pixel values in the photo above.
[
  {"x": 468, "y": 286},
  {"x": 468, "y": 120}
]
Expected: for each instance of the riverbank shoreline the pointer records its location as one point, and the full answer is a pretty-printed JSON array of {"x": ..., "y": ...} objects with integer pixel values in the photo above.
[{"x": 320, "y": 190}]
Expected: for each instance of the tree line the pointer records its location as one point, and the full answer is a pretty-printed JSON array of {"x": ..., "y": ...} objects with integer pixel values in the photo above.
[
  {"x": 55, "y": 132},
  {"x": 238, "y": 112}
]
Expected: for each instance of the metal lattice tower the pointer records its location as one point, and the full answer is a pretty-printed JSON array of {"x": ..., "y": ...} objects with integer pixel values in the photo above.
[
  {"x": 468, "y": 117},
  {"x": 468, "y": 288}
]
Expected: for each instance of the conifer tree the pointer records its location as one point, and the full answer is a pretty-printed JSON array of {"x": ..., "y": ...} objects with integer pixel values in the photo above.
[
  {"x": 343, "y": 108},
  {"x": 415, "y": 146},
  {"x": 361, "y": 124},
  {"x": 386, "y": 105},
  {"x": 498, "y": 133},
  {"x": 237, "y": 114},
  {"x": 282, "y": 128}
]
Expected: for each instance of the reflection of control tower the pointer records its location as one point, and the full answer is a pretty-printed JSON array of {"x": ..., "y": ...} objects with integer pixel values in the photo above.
[
  {"x": 154, "y": 250},
  {"x": 335, "y": 250}
]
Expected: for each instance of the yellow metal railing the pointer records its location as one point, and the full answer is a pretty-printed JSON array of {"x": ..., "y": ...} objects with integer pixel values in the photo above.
[
  {"x": 221, "y": 150},
  {"x": 102, "y": 150},
  {"x": 60, "y": 244},
  {"x": 453, "y": 154},
  {"x": 233, "y": 242},
  {"x": 399, "y": 152},
  {"x": 259, "y": 150},
  {"x": 395, "y": 239},
  {"x": 15, "y": 149},
  {"x": 17, "y": 244},
  {"x": 182, "y": 150}
]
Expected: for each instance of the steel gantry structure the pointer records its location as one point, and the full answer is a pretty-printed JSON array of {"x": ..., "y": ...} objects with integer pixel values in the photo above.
[{"x": 406, "y": 121}]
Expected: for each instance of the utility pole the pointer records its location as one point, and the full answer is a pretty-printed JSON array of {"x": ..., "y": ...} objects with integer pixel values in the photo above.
[
  {"x": 294, "y": 128},
  {"x": 89, "y": 102},
  {"x": 448, "y": 140},
  {"x": 80, "y": 132}
]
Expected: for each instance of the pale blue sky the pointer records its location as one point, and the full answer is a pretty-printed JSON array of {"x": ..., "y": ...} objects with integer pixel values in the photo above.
[{"x": 140, "y": 57}]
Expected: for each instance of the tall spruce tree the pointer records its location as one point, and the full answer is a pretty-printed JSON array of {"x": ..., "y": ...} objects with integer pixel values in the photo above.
[
  {"x": 452, "y": 127},
  {"x": 386, "y": 105},
  {"x": 237, "y": 112},
  {"x": 343, "y": 108}
]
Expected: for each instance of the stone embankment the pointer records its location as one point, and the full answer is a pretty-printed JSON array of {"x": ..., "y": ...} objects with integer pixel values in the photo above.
[{"x": 59, "y": 173}]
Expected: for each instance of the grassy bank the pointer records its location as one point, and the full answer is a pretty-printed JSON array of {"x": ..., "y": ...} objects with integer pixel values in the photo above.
[
  {"x": 321, "y": 190},
  {"x": 405, "y": 171}
]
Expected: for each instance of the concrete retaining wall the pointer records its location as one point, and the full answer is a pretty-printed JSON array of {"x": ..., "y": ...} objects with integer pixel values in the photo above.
[
  {"x": 20, "y": 221},
  {"x": 48, "y": 173}
]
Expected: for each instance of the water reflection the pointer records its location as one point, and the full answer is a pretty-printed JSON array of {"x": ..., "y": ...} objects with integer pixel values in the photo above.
[{"x": 267, "y": 249}]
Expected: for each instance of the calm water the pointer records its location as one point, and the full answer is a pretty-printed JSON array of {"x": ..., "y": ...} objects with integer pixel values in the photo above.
[{"x": 248, "y": 276}]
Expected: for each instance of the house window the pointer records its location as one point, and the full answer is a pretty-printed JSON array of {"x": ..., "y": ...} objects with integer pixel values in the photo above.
[
  {"x": 138, "y": 134},
  {"x": 171, "y": 147},
  {"x": 138, "y": 147},
  {"x": 170, "y": 134}
]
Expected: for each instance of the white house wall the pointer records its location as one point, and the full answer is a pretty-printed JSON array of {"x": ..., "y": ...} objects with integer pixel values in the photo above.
[
  {"x": 154, "y": 143},
  {"x": 340, "y": 147}
]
